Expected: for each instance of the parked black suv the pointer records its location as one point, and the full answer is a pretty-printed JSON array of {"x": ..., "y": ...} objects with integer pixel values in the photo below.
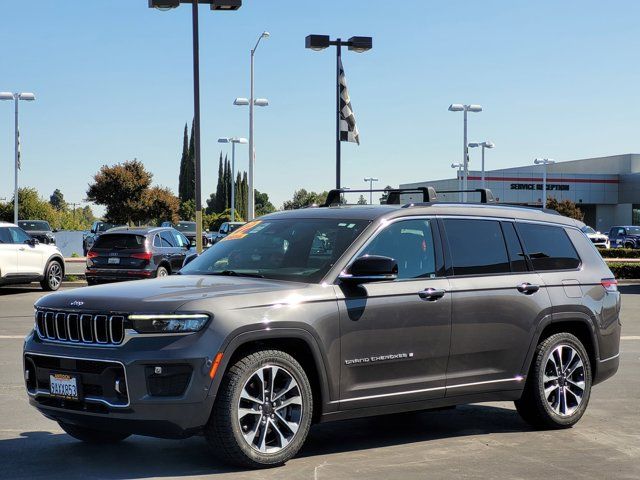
[
  {"x": 38, "y": 229},
  {"x": 97, "y": 229},
  {"x": 330, "y": 313},
  {"x": 624, "y": 236},
  {"x": 126, "y": 253}
]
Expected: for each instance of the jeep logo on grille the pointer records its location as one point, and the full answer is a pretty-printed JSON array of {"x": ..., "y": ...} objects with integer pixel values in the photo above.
[{"x": 76, "y": 303}]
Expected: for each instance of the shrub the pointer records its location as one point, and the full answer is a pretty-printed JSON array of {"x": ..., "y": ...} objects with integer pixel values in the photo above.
[
  {"x": 625, "y": 270},
  {"x": 620, "y": 253}
]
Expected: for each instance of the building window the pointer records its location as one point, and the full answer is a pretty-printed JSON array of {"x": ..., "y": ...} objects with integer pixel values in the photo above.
[{"x": 635, "y": 215}]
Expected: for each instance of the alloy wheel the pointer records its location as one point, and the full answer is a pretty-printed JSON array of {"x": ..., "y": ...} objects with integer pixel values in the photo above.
[
  {"x": 563, "y": 380},
  {"x": 270, "y": 409},
  {"x": 55, "y": 275}
]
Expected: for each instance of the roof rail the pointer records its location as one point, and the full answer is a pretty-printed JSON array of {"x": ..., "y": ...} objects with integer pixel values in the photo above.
[
  {"x": 393, "y": 194},
  {"x": 486, "y": 195}
]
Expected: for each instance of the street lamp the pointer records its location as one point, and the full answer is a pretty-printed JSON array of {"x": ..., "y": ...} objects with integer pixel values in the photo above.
[
  {"x": 16, "y": 97},
  {"x": 252, "y": 102},
  {"x": 486, "y": 144},
  {"x": 215, "y": 5},
  {"x": 459, "y": 107},
  {"x": 459, "y": 166},
  {"x": 544, "y": 162},
  {"x": 233, "y": 141},
  {"x": 371, "y": 180},
  {"x": 355, "y": 44}
]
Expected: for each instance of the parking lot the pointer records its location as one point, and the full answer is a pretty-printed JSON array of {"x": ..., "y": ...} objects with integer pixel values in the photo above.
[{"x": 475, "y": 441}]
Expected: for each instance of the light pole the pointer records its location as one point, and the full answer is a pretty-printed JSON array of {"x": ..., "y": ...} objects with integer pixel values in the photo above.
[
  {"x": 544, "y": 162},
  {"x": 224, "y": 5},
  {"x": 16, "y": 97},
  {"x": 233, "y": 141},
  {"x": 485, "y": 144},
  {"x": 371, "y": 180},
  {"x": 459, "y": 166},
  {"x": 459, "y": 107},
  {"x": 252, "y": 101},
  {"x": 356, "y": 44}
]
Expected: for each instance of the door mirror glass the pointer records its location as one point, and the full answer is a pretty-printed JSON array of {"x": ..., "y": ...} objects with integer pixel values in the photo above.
[
  {"x": 189, "y": 259},
  {"x": 371, "y": 268}
]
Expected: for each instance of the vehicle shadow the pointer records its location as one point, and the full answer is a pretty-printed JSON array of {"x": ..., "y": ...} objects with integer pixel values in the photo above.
[
  {"x": 41, "y": 454},
  {"x": 629, "y": 289},
  {"x": 20, "y": 289}
]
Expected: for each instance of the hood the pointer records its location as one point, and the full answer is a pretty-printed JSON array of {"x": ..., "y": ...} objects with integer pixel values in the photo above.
[
  {"x": 47, "y": 233},
  {"x": 163, "y": 294}
]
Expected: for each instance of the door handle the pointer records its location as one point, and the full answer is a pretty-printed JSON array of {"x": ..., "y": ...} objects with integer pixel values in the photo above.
[
  {"x": 431, "y": 294},
  {"x": 528, "y": 288}
]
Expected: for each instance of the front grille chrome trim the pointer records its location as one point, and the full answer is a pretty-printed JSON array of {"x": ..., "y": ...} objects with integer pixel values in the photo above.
[{"x": 86, "y": 329}]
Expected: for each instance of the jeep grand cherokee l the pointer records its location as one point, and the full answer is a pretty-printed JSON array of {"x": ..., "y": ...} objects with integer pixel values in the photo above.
[{"x": 331, "y": 313}]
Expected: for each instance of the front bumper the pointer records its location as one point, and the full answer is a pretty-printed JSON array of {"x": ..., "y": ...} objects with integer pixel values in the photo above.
[{"x": 141, "y": 409}]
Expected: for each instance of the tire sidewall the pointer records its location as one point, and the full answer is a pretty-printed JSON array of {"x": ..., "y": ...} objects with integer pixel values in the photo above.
[
  {"x": 553, "y": 417},
  {"x": 160, "y": 268},
  {"x": 305, "y": 389},
  {"x": 45, "y": 283}
]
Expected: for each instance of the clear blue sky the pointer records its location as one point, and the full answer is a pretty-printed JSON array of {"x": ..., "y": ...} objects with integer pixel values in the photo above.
[{"x": 113, "y": 80}]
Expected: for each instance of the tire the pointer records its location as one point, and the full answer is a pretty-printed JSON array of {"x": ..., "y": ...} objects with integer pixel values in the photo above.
[
  {"x": 629, "y": 245},
  {"x": 53, "y": 275},
  {"x": 547, "y": 410},
  {"x": 162, "y": 272},
  {"x": 91, "y": 282},
  {"x": 266, "y": 448},
  {"x": 92, "y": 435}
]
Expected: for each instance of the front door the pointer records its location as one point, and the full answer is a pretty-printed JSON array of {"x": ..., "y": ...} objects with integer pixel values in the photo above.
[
  {"x": 497, "y": 304},
  {"x": 394, "y": 338},
  {"x": 30, "y": 257}
]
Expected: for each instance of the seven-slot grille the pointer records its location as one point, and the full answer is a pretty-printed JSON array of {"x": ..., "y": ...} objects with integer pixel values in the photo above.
[{"x": 80, "y": 328}]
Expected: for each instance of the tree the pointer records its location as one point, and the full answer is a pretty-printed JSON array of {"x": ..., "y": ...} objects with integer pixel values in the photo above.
[
  {"x": 263, "y": 205},
  {"x": 362, "y": 200},
  {"x": 385, "y": 195},
  {"x": 566, "y": 208},
  {"x": 188, "y": 210},
  {"x": 57, "y": 200},
  {"x": 302, "y": 199},
  {"x": 218, "y": 205},
  {"x": 183, "y": 163},
  {"x": 160, "y": 204},
  {"x": 120, "y": 189}
]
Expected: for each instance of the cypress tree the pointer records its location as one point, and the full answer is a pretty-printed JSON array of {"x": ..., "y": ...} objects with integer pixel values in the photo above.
[
  {"x": 239, "y": 194},
  {"x": 190, "y": 170},
  {"x": 219, "y": 205},
  {"x": 183, "y": 164},
  {"x": 245, "y": 196},
  {"x": 227, "y": 182}
]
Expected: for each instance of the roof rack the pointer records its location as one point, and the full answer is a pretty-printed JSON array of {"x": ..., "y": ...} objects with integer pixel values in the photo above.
[
  {"x": 486, "y": 195},
  {"x": 393, "y": 194}
]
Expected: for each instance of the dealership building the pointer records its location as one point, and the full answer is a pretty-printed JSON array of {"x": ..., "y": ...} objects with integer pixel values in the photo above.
[{"x": 607, "y": 189}]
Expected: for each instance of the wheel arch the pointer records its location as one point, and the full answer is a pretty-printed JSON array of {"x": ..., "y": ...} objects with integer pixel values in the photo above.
[{"x": 55, "y": 257}]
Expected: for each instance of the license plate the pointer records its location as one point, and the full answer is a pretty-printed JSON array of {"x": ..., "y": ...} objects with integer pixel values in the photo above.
[
  {"x": 114, "y": 260},
  {"x": 63, "y": 385}
]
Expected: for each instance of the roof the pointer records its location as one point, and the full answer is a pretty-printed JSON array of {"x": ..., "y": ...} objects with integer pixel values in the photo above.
[
  {"x": 374, "y": 212},
  {"x": 136, "y": 230},
  {"x": 7, "y": 224}
]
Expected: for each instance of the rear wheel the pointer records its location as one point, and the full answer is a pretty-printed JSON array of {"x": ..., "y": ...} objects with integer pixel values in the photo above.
[
  {"x": 162, "y": 272},
  {"x": 559, "y": 383},
  {"x": 92, "y": 281},
  {"x": 263, "y": 411},
  {"x": 92, "y": 435},
  {"x": 52, "y": 276}
]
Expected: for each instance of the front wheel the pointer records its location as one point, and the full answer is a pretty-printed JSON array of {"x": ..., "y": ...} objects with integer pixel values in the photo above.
[
  {"x": 52, "y": 276},
  {"x": 162, "y": 272},
  {"x": 559, "y": 383},
  {"x": 92, "y": 435},
  {"x": 263, "y": 410}
]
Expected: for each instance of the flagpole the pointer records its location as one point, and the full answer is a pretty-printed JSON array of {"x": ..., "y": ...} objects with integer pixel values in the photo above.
[
  {"x": 17, "y": 160},
  {"x": 338, "y": 61}
]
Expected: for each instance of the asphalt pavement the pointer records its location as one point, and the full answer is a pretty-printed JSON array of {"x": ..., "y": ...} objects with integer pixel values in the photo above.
[{"x": 481, "y": 441}]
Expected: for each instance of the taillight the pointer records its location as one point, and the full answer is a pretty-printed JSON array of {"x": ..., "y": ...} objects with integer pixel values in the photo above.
[
  {"x": 609, "y": 284},
  {"x": 142, "y": 256},
  {"x": 92, "y": 254}
]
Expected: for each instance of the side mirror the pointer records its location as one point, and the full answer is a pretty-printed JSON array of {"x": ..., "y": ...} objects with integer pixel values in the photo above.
[
  {"x": 93, "y": 230},
  {"x": 32, "y": 241},
  {"x": 189, "y": 259},
  {"x": 55, "y": 230},
  {"x": 371, "y": 268}
]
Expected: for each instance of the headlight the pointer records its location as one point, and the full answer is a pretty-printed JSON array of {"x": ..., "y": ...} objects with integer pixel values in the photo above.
[{"x": 171, "y": 323}]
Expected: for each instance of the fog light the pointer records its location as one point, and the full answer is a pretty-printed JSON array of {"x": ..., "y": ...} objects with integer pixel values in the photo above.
[
  {"x": 26, "y": 375},
  {"x": 157, "y": 370}
]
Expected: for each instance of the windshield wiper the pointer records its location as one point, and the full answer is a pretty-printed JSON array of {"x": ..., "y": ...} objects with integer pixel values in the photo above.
[{"x": 233, "y": 273}]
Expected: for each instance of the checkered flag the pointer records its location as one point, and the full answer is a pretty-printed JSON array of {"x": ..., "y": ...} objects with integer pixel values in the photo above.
[{"x": 348, "y": 127}]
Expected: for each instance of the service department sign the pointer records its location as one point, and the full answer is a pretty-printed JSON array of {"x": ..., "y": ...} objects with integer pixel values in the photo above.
[{"x": 538, "y": 186}]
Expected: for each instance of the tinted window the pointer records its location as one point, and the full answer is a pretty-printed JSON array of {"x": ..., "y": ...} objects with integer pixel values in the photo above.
[
  {"x": 157, "y": 242},
  {"x": 34, "y": 226},
  {"x": 410, "y": 243},
  {"x": 514, "y": 249},
  {"x": 119, "y": 241},
  {"x": 5, "y": 236},
  {"x": 186, "y": 226},
  {"x": 18, "y": 235},
  {"x": 477, "y": 247},
  {"x": 548, "y": 247},
  {"x": 233, "y": 226},
  {"x": 179, "y": 239},
  {"x": 167, "y": 239},
  {"x": 293, "y": 249}
]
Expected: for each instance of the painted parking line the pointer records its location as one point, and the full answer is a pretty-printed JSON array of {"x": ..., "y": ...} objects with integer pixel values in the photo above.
[
  {"x": 630, "y": 337},
  {"x": 12, "y": 337}
]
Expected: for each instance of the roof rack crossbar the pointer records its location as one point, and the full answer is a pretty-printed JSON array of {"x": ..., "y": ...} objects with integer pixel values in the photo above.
[
  {"x": 393, "y": 194},
  {"x": 486, "y": 195}
]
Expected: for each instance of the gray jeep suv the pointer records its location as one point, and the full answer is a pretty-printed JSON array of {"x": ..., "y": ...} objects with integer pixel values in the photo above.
[{"x": 331, "y": 313}]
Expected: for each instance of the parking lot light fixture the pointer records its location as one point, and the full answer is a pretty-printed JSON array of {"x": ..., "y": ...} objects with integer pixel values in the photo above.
[
  {"x": 233, "y": 141},
  {"x": 459, "y": 107},
  {"x": 371, "y": 180},
  {"x": 544, "y": 162},
  {"x": 215, "y": 5},
  {"x": 16, "y": 97},
  {"x": 485, "y": 144},
  {"x": 459, "y": 166},
  {"x": 241, "y": 101}
]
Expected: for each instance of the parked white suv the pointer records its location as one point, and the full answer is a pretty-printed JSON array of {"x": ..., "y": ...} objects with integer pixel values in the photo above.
[{"x": 24, "y": 259}]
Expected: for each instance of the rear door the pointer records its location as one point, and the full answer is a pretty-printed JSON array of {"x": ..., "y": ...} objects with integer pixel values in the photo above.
[
  {"x": 497, "y": 303},
  {"x": 8, "y": 253},
  {"x": 394, "y": 343}
]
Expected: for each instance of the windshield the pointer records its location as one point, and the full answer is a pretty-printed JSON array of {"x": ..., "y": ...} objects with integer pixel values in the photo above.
[
  {"x": 633, "y": 230},
  {"x": 186, "y": 226},
  {"x": 299, "y": 250},
  {"x": 34, "y": 226},
  {"x": 103, "y": 227},
  {"x": 588, "y": 229},
  {"x": 234, "y": 226}
]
